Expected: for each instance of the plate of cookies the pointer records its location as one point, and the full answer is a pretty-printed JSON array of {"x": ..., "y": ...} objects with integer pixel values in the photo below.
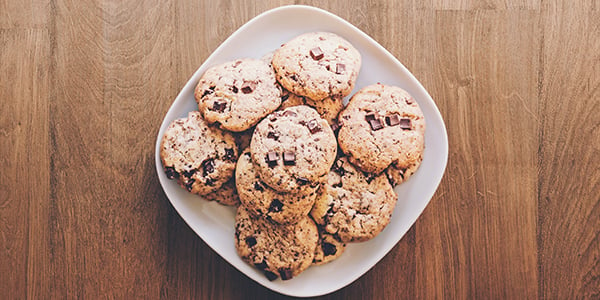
[{"x": 301, "y": 152}]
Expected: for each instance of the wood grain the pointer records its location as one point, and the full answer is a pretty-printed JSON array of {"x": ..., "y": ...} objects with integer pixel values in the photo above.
[{"x": 84, "y": 86}]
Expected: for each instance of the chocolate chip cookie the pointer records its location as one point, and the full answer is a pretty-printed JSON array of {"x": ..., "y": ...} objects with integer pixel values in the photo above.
[
  {"x": 238, "y": 94},
  {"x": 263, "y": 201},
  {"x": 381, "y": 126},
  {"x": 358, "y": 206},
  {"x": 279, "y": 250},
  {"x": 293, "y": 150},
  {"x": 200, "y": 157},
  {"x": 317, "y": 65}
]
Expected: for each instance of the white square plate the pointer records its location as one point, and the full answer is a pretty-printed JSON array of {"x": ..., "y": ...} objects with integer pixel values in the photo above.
[{"x": 215, "y": 223}]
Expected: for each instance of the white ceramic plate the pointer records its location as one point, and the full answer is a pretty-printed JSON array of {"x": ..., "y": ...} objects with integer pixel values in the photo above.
[{"x": 215, "y": 223}]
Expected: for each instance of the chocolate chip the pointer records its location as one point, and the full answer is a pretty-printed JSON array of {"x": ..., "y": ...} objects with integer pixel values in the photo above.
[
  {"x": 405, "y": 124},
  {"x": 272, "y": 158},
  {"x": 392, "y": 120},
  {"x": 258, "y": 187},
  {"x": 302, "y": 180},
  {"x": 219, "y": 106},
  {"x": 289, "y": 113},
  {"x": 229, "y": 154},
  {"x": 275, "y": 206},
  {"x": 234, "y": 89},
  {"x": 337, "y": 185},
  {"x": 171, "y": 173},
  {"x": 376, "y": 124},
  {"x": 189, "y": 185},
  {"x": 189, "y": 173},
  {"x": 248, "y": 87},
  {"x": 270, "y": 275},
  {"x": 273, "y": 135},
  {"x": 313, "y": 126},
  {"x": 409, "y": 100},
  {"x": 289, "y": 158},
  {"x": 285, "y": 273},
  {"x": 207, "y": 92},
  {"x": 285, "y": 97},
  {"x": 210, "y": 182},
  {"x": 316, "y": 53},
  {"x": 329, "y": 249},
  {"x": 208, "y": 166},
  {"x": 370, "y": 177},
  {"x": 261, "y": 265},
  {"x": 293, "y": 77},
  {"x": 251, "y": 241},
  {"x": 340, "y": 68}
]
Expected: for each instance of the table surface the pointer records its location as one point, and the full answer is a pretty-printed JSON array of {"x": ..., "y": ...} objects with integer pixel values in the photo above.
[{"x": 85, "y": 85}]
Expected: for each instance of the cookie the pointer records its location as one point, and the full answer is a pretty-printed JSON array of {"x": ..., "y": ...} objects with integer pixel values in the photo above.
[
  {"x": 238, "y": 94},
  {"x": 263, "y": 201},
  {"x": 317, "y": 65},
  {"x": 358, "y": 205},
  {"x": 293, "y": 150},
  {"x": 226, "y": 195},
  {"x": 329, "y": 248},
  {"x": 382, "y": 125},
  {"x": 279, "y": 250},
  {"x": 201, "y": 157},
  {"x": 328, "y": 108}
]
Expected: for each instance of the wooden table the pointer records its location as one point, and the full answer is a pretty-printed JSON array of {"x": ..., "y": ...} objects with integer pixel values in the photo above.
[{"x": 85, "y": 85}]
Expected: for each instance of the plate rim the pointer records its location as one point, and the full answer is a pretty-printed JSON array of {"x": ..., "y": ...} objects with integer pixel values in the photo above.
[{"x": 190, "y": 84}]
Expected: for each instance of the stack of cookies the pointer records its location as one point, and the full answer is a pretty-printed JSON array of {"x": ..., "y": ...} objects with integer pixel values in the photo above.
[{"x": 307, "y": 174}]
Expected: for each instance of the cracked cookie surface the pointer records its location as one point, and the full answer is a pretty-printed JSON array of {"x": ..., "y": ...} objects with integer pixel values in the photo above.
[
  {"x": 263, "y": 201},
  {"x": 358, "y": 205},
  {"x": 200, "y": 157},
  {"x": 383, "y": 126},
  {"x": 238, "y": 94},
  {"x": 317, "y": 65},
  {"x": 279, "y": 250},
  {"x": 293, "y": 150}
]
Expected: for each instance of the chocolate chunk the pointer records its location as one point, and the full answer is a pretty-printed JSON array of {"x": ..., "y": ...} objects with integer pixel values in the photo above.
[
  {"x": 289, "y": 158},
  {"x": 210, "y": 182},
  {"x": 337, "y": 185},
  {"x": 207, "y": 92},
  {"x": 376, "y": 124},
  {"x": 208, "y": 166},
  {"x": 275, "y": 206},
  {"x": 293, "y": 77},
  {"x": 405, "y": 124},
  {"x": 371, "y": 117},
  {"x": 392, "y": 120},
  {"x": 313, "y": 126},
  {"x": 285, "y": 273},
  {"x": 272, "y": 158},
  {"x": 270, "y": 275},
  {"x": 229, "y": 154},
  {"x": 219, "y": 106},
  {"x": 251, "y": 241},
  {"x": 261, "y": 265},
  {"x": 302, "y": 180},
  {"x": 329, "y": 249},
  {"x": 273, "y": 135},
  {"x": 234, "y": 89},
  {"x": 189, "y": 185},
  {"x": 340, "y": 68},
  {"x": 248, "y": 87},
  {"x": 289, "y": 113},
  {"x": 258, "y": 187},
  {"x": 316, "y": 53},
  {"x": 171, "y": 173},
  {"x": 189, "y": 173}
]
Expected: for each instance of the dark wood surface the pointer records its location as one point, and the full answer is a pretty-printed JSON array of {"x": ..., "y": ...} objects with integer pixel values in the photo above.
[{"x": 84, "y": 86}]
